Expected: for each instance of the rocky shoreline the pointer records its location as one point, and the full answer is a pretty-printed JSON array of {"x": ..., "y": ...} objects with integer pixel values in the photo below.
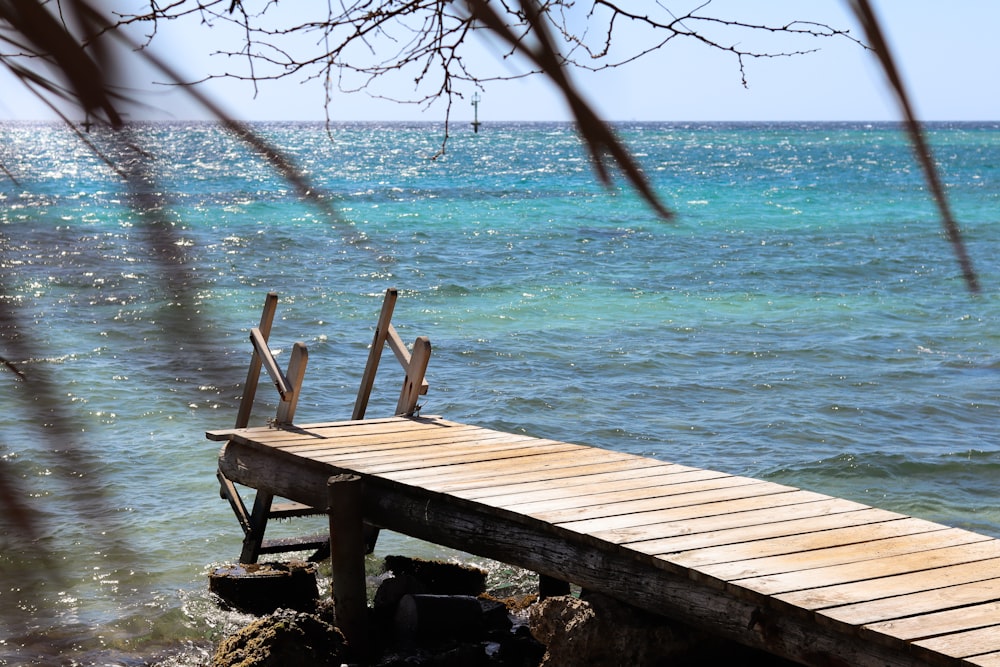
[{"x": 432, "y": 614}]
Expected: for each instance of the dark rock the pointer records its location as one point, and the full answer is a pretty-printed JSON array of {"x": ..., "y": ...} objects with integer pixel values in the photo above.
[
  {"x": 261, "y": 588},
  {"x": 464, "y": 618},
  {"x": 601, "y": 632},
  {"x": 284, "y": 638},
  {"x": 410, "y": 626},
  {"x": 392, "y": 590},
  {"x": 451, "y": 655},
  {"x": 439, "y": 578}
]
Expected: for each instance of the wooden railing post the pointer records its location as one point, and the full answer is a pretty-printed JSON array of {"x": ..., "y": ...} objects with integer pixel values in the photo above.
[
  {"x": 347, "y": 558},
  {"x": 414, "y": 379},
  {"x": 295, "y": 375},
  {"x": 253, "y": 373},
  {"x": 375, "y": 353}
]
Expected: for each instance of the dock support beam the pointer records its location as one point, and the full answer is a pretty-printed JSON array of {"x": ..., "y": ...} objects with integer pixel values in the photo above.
[{"x": 347, "y": 558}]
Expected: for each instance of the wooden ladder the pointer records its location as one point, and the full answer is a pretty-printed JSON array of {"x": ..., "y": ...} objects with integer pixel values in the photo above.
[{"x": 289, "y": 386}]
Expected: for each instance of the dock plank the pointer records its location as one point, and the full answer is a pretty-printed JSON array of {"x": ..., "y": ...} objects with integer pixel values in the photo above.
[
  {"x": 574, "y": 473},
  {"x": 868, "y": 612},
  {"x": 437, "y": 455},
  {"x": 836, "y": 543},
  {"x": 643, "y": 521},
  {"x": 860, "y": 590},
  {"x": 627, "y": 497},
  {"x": 836, "y": 564},
  {"x": 747, "y": 527},
  {"x": 962, "y": 644},
  {"x": 537, "y": 467},
  {"x": 741, "y": 490},
  {"x": 936, "y": 624},
  {"x": 551, "y": 490}
]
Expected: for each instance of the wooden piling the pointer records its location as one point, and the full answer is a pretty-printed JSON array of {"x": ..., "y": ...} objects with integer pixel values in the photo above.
[{"x": 347, "y": 557}]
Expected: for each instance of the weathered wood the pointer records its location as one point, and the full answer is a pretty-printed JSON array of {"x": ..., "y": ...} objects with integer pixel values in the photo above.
[
  {"x": 819, "y": 580},
  {"x": 253, "y": 372},
  {"x": 746, "y": 528},
  {"x": 985, "y": 660},
  {"x": 295, "y": 375},
  {"x": 641, "y": 506},
  {"x": 920, "y": 602},
  {"x": 625, "y": 498},
  {"x": 347, "y": 558},
  {"x": 228, "y": 490},
  {"x": 645, "y": 582},
  {"x": 415, "y": 371},
  {"x": 840, "y": 544},
  {"x": 566, "y": 471},
  {"x": 940, "y": 623},
  {"x": 858, "y": 590},
  {"x": 398, "y": 348},
  {"x": 883, "y": 560},
  {"x": 629, "y": 525},
  {"x": 497, "y": 454},
  {"x": 537, "y": 467},
  {"x": 254, "y": 537},
  {"x": 375, "y": 353},
  {"x": 230, "y": 493},
  {"x": 962, "y": 644},
  {"x": 645, "y": 481},
  {"x": 565, "y": 483},
  {"x": 537, "y": 546},
  {"x": 270, "y": 365}
]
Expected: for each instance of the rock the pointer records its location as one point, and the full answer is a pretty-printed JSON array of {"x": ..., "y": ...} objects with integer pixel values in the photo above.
[
  {"x": 463, "y": 618},
  {"x": 284, "y": 638},
  {"x": 439, "y": 578},
  {"x": 261, "y": 588},
  {"x": 412, "y": 624},
  {"x": 391, "y": 591},
  {"x": 601, "y": 632}
]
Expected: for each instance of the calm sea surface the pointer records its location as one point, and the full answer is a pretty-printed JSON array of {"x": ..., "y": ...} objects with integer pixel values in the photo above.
[{"x": 802, "y": 320}]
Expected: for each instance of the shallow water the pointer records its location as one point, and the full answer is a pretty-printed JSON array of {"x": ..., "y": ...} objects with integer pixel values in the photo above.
[{"x": 802, "y": 320}]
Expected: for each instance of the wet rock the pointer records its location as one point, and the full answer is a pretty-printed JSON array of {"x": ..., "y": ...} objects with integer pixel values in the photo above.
[
  {"x": 261, "y": 588},
  {"x": 412, "y": 624},
  {"x": 284, "y": 638},
  {"x": 434, "y": 614}
]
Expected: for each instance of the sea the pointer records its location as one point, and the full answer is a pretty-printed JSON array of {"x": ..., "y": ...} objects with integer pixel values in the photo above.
[{"x": 801, "y": 318}]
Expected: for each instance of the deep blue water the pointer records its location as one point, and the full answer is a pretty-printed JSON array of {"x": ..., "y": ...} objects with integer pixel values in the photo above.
[{"x": 802, "y": 320}]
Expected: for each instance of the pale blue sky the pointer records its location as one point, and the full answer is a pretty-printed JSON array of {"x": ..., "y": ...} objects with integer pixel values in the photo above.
[{"x": 948, "y": 53}]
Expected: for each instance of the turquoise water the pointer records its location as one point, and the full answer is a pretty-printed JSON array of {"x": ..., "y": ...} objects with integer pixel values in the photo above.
[{"x": 802, "y": 320}]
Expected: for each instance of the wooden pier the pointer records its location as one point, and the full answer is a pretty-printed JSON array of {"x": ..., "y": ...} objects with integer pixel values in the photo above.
[{"x": 816, "y": 579}]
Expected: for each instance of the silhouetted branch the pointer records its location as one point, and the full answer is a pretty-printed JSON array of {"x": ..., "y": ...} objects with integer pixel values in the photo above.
[
  {"x": 50, "y": 40},
  {"x": 866, "y": 16},
  {"x": 601, "y": 142},
  {"x": 358, "y": 45},
  {"x": 68, "y": 61}
]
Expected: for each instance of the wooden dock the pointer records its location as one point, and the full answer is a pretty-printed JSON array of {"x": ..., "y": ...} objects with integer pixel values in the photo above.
[
  {"x": 812, "y": 578},
  {"x": 816, "y": 579}
]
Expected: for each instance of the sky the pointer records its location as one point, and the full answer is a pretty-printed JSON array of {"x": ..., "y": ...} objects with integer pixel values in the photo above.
[{"x": 947, "y": 52}]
